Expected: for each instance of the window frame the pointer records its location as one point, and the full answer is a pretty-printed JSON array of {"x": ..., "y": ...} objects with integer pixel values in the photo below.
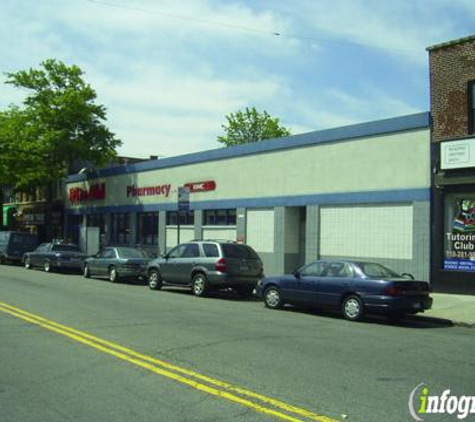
[
  {"x": 187, "y": 218},
  {"x": 471, "y": 106},
  {"x": 213, "y": 218}
]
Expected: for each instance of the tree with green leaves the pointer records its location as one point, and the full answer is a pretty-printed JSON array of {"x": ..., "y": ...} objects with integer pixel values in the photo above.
[
  {"x": 57, "y": 123},
  {"x": 251, "y": 126}
]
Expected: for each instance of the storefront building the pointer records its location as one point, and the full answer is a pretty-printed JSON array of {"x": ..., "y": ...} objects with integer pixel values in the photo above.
[
  {"x": 452, "y": 73},
  {"x": 360, "y": 191}
]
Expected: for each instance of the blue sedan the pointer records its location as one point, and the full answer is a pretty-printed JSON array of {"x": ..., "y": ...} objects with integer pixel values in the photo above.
[{"x": 354, "y": 287}]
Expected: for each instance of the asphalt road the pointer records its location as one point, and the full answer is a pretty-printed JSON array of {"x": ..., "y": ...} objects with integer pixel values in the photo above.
[{"x": 139, "y": 355}]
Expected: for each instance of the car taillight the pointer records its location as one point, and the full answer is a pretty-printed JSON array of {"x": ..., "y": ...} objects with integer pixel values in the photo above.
[
  {"x": 393, "y": 290},
  {"x": 221, "y": 266}
]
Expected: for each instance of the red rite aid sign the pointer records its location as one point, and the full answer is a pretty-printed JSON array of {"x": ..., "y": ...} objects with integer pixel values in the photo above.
[
  {"x": 95, "y": 192},
  {"x": 209, "y": 185}
]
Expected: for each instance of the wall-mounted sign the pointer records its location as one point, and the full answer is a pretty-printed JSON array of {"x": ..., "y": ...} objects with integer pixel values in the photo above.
[
  {"x": 133, "y": 190},
  {"x": 209, "y": 185},
  {"x": 94, "y": 193},
  {"x": 457, "y": 154},
  {"x": 184, "y": 198},
  {"x": 460, "y": 237}
]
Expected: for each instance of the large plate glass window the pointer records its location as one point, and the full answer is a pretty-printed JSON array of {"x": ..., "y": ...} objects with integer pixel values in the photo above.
[
  {"x": 97, "y": 220},
  {"x": 147, "y": 228},
  {"x": 120, "y": 228}
]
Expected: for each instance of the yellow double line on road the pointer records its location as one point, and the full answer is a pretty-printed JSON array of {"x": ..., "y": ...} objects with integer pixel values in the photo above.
[{"x": 235, "y": 394}]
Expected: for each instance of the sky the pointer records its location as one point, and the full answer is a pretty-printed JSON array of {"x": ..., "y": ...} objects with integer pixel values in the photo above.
[{"x": 169, "y": 72}]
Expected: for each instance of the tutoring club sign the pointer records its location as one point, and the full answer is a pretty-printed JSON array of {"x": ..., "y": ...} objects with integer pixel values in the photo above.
[{"x": 460, "y": 238}]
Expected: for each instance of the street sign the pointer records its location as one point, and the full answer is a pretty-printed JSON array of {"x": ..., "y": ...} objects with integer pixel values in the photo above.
[{"x": 183, "y": 198}]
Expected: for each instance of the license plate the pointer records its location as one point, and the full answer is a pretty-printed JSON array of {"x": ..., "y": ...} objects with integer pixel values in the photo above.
[
  {"x": 416, "y": 306},
  {"x": 244, "y": 268}
]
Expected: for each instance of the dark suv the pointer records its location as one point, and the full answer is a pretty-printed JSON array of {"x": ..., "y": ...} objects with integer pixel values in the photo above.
[
  {"x": 13, "y": 246},
  {"x": 206, "y": 265}
]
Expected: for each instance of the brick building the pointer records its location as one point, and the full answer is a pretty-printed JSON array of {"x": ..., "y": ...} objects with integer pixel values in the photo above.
[{"x": 452, "y": 89}]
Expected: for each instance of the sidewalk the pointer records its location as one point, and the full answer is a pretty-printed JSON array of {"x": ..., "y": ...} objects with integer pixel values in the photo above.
[{"x": 459, "y": 309}]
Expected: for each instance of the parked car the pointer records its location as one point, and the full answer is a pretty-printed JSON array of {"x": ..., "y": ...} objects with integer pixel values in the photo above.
[
  {"x": 207, "y": 265},
  {"x": 55, "y": 256},
  {"x": 13, "y": 245},
  {"x": 117, "y": 263},
  {"x": 354, "y": 287}
]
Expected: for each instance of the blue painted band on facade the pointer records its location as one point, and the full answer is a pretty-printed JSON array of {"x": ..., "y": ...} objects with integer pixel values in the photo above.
[
  {"x": 345, "y": 133},
  {"x": 351, "y": 198}
]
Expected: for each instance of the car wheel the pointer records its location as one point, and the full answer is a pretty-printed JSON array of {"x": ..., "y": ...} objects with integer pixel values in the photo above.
[
  {"x": 199, "y": 285},
  {"x": 113, "y": 275},
  {"x": 2, "y": 260},
  {"x": 86, "y": 273},
  {"x": 154, "y": 280},
  {"x": 273, "y": 298},
  {"x": 28, "y": 263},
  {"x": 47, "y": 266},
  {"x": 352, "y": 308}
]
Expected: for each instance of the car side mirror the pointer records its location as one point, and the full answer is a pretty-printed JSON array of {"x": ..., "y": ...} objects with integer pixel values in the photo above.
[
  {"x": 164, "y": 255},
  {"x": 296, "y": 274},
  {"x": 408, "y": 276}
]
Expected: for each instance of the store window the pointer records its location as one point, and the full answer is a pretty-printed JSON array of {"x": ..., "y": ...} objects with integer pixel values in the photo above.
[
  {"x": 73, "y": 228},
  {"x": 471, "y": 108},
  {"x": 147, "y": 228},
  {"x": 120, "y": 233},
  {"x": 97, "y": 220},
  {"x": 224, "y": 217},
  {"x": 459, "y": 232},
  {"x": 187, "y": 218}
]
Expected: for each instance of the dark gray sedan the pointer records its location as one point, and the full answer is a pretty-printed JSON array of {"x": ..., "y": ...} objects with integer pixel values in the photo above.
[
  {"x": 55, "y": 256},
  {"x": 117, "y": 263}
]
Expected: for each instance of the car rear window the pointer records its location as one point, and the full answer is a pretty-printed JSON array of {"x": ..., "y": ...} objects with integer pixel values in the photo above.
[
  {"x": 65, "y": 248},
  {"x": 374, "y": 270},
  {"x": 130, "y": 253},
  {"x": 234, "y": 250}
]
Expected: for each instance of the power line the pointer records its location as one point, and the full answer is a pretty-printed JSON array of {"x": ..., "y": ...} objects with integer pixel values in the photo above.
[
  {"x": 247, "y": 28},
  {"x": 188, "y": 18}
]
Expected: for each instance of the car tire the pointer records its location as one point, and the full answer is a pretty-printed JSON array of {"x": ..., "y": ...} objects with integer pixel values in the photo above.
[
  {"x": 86, "y": 273},
  {"x": 113, "y": 275},
  {"x": 2, "y": 260},
  {"x": 273, "y": 298},
  {"x": 199, "y": 285},
  {"x": 154, "y": 280},
  {"x": 47, "y": 266},
  {"x": 27, "y": 263},
  {"x": 352, "y": 308}
]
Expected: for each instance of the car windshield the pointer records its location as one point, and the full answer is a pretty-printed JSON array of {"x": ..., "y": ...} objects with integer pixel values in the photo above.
[
  {"x": 130, "y": 253},
  {"x": 373, "y": 270},
  {"x": 65, "y": 248},
  {"x": 234, "y": 250}
]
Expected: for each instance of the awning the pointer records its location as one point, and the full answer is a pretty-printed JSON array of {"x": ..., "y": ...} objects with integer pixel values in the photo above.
[{"x": 7, "y": 213}]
